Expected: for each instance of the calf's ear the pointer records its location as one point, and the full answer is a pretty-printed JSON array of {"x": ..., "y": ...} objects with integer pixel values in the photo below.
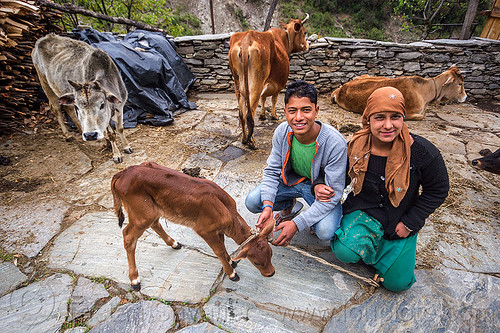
[
  {"x": 67, "y": 99},
  {"x": 241, "y": 255},
  {"x": 267, "y": 229},
  {"x": 112, "y": 98}
]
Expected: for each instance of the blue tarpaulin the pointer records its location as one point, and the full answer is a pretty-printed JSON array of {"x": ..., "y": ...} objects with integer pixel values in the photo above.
[{"x": 156, "y": 77}]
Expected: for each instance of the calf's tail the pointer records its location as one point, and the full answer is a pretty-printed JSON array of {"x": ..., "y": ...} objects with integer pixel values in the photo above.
[{"x": 117, "y": 201}]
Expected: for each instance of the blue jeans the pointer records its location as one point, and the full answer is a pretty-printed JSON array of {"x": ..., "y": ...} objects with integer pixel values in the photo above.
[{"x": 324, "y": 229}]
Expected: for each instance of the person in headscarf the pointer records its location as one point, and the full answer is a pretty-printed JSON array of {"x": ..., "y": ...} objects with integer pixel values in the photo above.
[{"x": 398, "y": 179}]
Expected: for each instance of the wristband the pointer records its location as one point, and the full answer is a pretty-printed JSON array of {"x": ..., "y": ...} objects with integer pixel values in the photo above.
[
  {"x": 409, "y": 230},
  {"x": 267, "y": 205}
]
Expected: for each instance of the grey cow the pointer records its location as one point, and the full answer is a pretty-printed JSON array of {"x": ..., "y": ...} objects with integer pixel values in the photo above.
[{"x": 85, "y": 82}]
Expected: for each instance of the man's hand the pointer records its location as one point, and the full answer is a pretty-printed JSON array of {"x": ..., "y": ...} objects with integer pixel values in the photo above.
[
  {"x": 288, "y": 230},
  {"x": 401, "y": 230},
  {"x": 264, "y": 218},
  {"x": 323, "y": 193}
]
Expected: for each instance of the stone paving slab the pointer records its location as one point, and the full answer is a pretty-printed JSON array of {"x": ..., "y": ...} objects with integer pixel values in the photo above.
[
  {"x": 444, "y": 300},
  {"x": 26, "y": 233},
  {"x": 10, "y": 277},
  {"x": 84, "y": 296},
  {"x": 104, "y": 312},
  {"x": 477, "y": 251},
  {"x": 40, "y": 307},
  {"x": 140, "y": 317}
]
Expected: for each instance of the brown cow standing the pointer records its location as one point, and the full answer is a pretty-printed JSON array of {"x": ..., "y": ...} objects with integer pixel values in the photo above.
[
  {"x": 149, "y": 191},
  {"x": 417, "y": 91},
  {"x": 260, "y": 65}
]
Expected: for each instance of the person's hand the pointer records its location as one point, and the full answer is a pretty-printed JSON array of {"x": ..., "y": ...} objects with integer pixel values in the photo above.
[
  {"x": 323, "y": 192},
  {"x": 288, "y": 230},
  {"x": 264, "y": 218},
  {"x": 401, "y": 230}
]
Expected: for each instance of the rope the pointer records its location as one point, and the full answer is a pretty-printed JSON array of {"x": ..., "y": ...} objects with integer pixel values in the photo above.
[
  {"x": 343, "y": 270},
  {"x": 254, "y": 233}
]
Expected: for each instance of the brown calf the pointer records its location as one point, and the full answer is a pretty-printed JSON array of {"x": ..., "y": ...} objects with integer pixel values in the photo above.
[{"x": 149, "y": 191}]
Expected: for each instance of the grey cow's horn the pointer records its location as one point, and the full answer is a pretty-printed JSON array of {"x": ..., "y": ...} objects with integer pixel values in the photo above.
[{"x": 304, "y": 20}]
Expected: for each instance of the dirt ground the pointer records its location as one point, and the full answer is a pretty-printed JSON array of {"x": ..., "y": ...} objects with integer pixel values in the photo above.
[{"x": 39, "y": 165}]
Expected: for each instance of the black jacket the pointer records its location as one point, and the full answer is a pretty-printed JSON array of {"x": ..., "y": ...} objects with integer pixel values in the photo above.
[{"x": 427, "y": 171}]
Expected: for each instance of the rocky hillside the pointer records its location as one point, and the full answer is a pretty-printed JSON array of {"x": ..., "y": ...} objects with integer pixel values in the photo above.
[{"x": 229, "y": 15}]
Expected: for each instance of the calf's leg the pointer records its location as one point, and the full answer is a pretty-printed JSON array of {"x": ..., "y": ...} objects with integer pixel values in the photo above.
[
  {"x": 156, "y": 226},
  {"x": 131, "y": 234},
  {"x": 214, "y": 241}
]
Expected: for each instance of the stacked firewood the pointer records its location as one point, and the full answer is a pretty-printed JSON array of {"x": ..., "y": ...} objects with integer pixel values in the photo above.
[{"x": 21, "y": 24}]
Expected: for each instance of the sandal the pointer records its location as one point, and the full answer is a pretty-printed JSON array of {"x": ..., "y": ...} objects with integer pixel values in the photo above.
[{"x": 295, "y": 211}]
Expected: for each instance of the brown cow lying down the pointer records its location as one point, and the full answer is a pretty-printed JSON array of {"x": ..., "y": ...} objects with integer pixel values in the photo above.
[
  {"x": 149, "y": 191},
  {"x": 417, "y": 91}
]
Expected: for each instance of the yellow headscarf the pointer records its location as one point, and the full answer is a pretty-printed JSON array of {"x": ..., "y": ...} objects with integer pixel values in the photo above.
[{"x": 397, "y": 169}]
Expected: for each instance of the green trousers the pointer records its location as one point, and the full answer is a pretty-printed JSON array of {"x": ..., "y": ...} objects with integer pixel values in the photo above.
[{"x": 360, "y": 238}]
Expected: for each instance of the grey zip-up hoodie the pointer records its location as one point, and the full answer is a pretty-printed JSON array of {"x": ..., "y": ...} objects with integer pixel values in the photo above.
[{"x": 330, "y": 161}]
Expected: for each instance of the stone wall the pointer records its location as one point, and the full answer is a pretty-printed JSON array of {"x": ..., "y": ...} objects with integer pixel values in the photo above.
[{"x": 331, "y": 62}]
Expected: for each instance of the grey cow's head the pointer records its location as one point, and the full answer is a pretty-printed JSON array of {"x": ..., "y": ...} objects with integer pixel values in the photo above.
[{"x": 92, "y": 106}]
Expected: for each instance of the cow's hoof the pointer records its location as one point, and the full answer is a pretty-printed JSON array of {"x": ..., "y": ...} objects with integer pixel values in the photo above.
[
  {"x": 177, "y": 246},
  {"x": 262, "y": 117},
  {"x": 128, "y": 150},
  {"x": 70, "y": 139},
  {"x": 235, "y": 278},
  {"x": 136, "y": 287},
  {"x": 234, "y": 263},
  {"x": 117, "y": 159}
]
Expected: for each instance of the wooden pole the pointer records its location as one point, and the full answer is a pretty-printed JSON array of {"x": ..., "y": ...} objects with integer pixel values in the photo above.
[
  {"x": 212, "y": 16},
  {"x": 469, "y": 18},
  {"x": 267, "y": 25}
]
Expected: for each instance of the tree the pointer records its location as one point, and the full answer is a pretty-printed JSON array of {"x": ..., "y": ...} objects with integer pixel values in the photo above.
[
  {"x": 267, "y": 25},
  {"x": 469, "y": 18},
  {"x": 150, "y": 12}
]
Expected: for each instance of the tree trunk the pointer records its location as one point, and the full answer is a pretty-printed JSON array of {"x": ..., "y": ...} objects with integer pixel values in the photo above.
[
  {"x": 212, "y": 16},
  {"x": 469, "y": 18},
  {"x": 69, "y": 8},
  {"x": 267, "y": 25}
]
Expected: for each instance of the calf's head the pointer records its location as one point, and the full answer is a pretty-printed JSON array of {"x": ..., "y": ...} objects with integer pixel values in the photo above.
[
  {"x": 92, "y": 106},
  {"x": 259, "y": 252},
  {"x": 490, "y": 162}
]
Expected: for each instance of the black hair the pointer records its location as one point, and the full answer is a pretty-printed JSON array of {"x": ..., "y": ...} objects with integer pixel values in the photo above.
[{"x": 301, "y": 88}]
